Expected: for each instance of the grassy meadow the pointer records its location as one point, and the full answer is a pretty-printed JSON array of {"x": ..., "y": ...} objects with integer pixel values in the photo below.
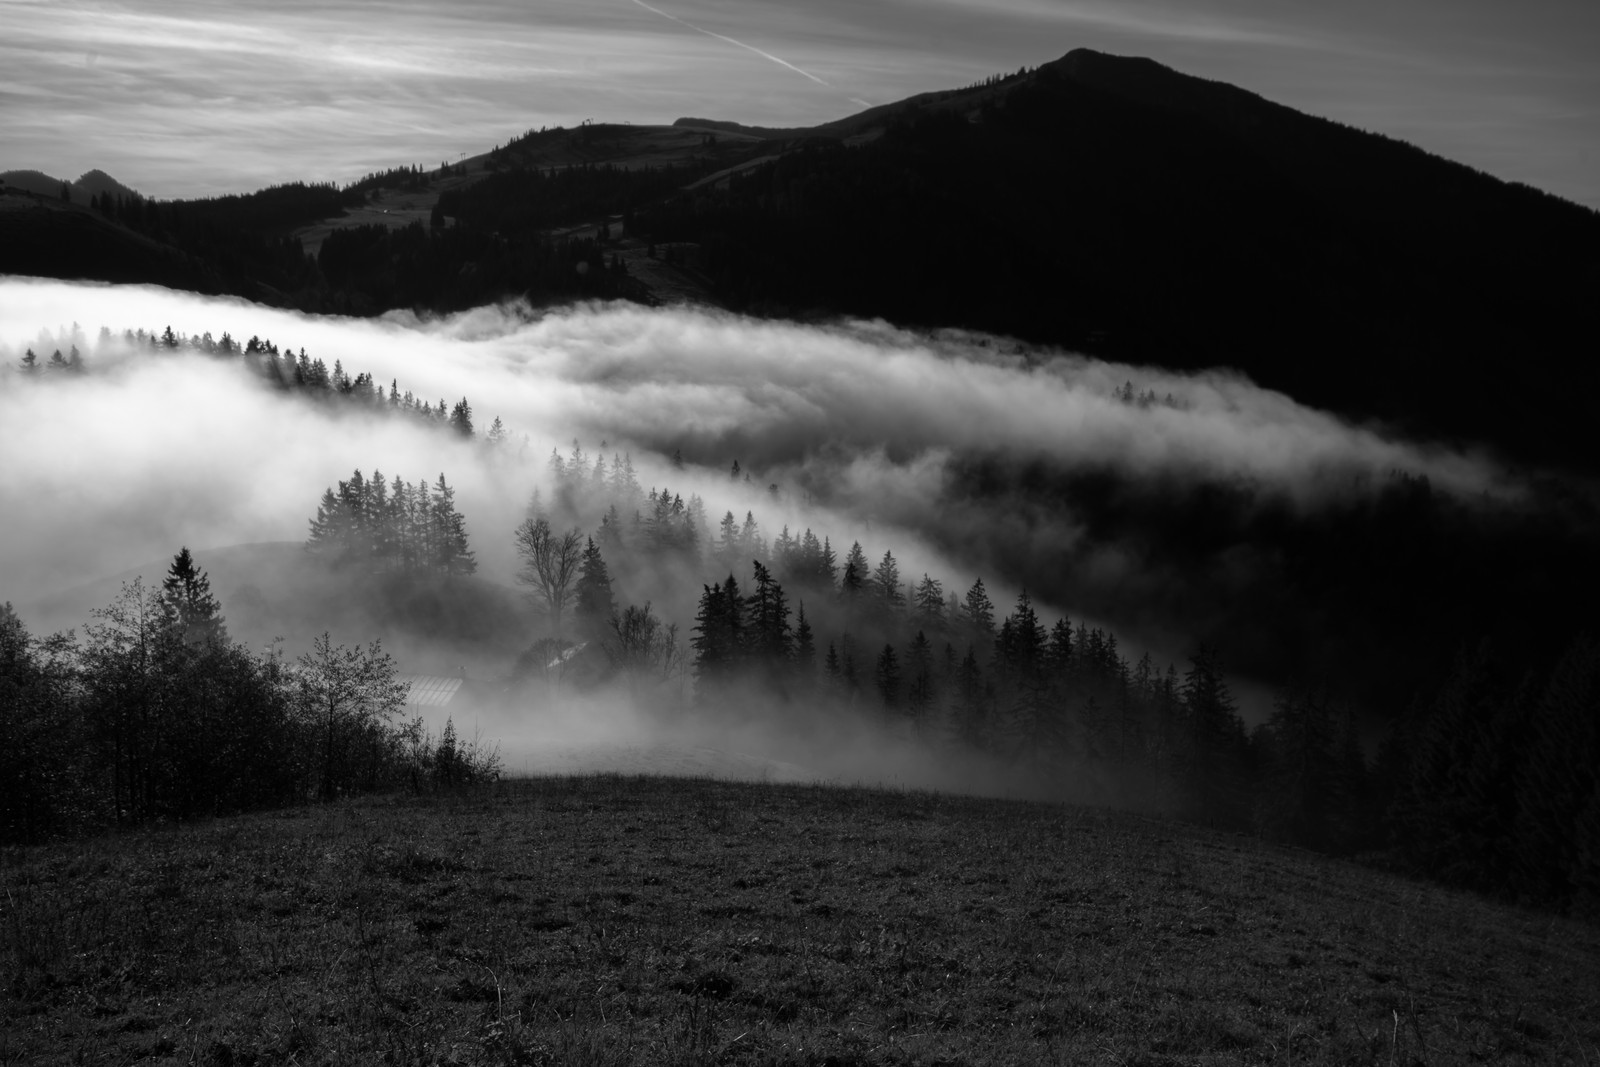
[{"x": 609, "y": 920}]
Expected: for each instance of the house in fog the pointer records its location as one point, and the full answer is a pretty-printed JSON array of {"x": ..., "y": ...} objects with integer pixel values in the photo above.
[{"x": 440, "y": 696}]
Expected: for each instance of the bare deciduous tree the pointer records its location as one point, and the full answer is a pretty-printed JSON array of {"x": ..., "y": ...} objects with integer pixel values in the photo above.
[
  {"x": 350, "y": 694},
  {"x": 642, "y": 646},
  {"x": 549, "y": 564}
]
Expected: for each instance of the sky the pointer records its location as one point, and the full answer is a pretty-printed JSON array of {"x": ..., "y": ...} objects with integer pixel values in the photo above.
[{"x": 178, "y": 98}]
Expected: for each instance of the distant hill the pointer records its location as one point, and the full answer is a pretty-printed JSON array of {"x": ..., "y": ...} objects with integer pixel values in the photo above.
[
  {"x": 1101, "y": 203},
  {"x": 1116, "y": 206},
  {"x": 91, "y": 183},
  {"x": 44, "y": 236},
  {"x": 98, "y": 183}
]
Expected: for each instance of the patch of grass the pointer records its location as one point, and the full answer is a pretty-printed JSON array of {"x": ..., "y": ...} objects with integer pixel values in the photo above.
[{"x": 611, "y": 920}]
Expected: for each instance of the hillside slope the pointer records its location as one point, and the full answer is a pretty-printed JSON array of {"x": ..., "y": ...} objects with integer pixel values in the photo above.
[{"x": 626, "y": 920}]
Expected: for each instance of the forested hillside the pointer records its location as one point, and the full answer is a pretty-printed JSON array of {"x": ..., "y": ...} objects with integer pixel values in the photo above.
[{"x": 1484, "y": 774}]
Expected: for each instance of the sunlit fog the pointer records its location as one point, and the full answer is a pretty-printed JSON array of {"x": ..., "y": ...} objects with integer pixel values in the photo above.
[{"x": 940, "y": 449}]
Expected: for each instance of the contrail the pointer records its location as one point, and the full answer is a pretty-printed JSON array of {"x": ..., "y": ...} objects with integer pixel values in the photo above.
[{"x": 730, "y": 40}]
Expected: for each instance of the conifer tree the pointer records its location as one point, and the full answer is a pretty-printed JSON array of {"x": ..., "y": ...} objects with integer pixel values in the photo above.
[
  {"x": 609, "y": 533},
  {"x": 719, "y": 637},
  {"x": 452, "y": 556},
  {"x": 979, "y": 611},
  {"x": 886, "y": 582},
  {"x": 929, "y": 603},
  {"x": 857, "y": 572},
  {"x": 191, "y": 610},
  {"x": 593, "y": 602},
  {"x": 831, "y": 672},
  {"x": 330, "y": 529},
  {"x": 768, "y": 638},
  {"x": 752, "y": 545},
  {"x": 727, "y": 550}
]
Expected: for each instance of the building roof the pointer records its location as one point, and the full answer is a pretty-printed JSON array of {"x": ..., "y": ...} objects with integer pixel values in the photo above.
[{"x": 430, "y": 691}]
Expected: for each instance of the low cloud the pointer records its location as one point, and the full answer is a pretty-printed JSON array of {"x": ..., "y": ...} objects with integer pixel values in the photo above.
[
  {"x": 863, "y": 428},
  {"x": 966, "y": 456}
]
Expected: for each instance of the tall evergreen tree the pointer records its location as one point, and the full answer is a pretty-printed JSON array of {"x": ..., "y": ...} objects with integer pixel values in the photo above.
[
  {"x": 452, "y": 555},
  {"x": 768, "y": 638},
  {"x": 719, "y": 637},
  {"x": 886, "y": 582},
  {"x": 188, "y": 604},
  {"x": 727, "y": 551},
  {"x": 929, "y": 603},
  {"x": 979, "y": 611},
  {"x": 461, "y": 418},
  {"x": 330, "y": 529},
  {"x": 857, "y": 572},
  {"x": 592, "y": 602}
]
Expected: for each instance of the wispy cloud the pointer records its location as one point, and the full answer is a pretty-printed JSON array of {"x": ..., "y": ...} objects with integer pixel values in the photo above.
[{"x": 740, "y": 44}]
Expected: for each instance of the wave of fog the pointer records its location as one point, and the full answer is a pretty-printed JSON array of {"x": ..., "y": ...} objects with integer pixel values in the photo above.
[
  {"x": 863, "y": 428},
  {"x": 861, "y": 415}
]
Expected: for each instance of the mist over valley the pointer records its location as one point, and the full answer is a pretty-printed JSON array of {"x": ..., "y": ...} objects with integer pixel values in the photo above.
[{"x": 831, "y": 592}]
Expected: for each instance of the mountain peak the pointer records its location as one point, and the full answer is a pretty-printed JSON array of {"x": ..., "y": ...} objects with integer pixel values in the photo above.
[{"x": 93, "y": 183}]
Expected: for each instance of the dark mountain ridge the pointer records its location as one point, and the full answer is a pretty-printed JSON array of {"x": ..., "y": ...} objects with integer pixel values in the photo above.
[{"x": 1100, "y": 203}]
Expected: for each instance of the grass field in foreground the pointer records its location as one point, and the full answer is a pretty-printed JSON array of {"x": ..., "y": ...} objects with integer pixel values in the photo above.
[{"x": 652, "y": 920}]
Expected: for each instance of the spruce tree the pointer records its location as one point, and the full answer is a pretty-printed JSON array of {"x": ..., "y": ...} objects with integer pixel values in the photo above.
[
  {"x": 452, "y": 556},
  {"x": 330, "y": 529},
  {"x": 929, "y": 603},
  {"x": 719, "y": 638},
  {"x": 857, "y": 572},
  {"x": 979, "y": 613},
  {"x": 497, "y": 435},
  {"x": 191, "y": 610},
  {"x": 593, "y": 602},
  {"x": 886, "y": 582},
  {"x": 768, "y": 638},
  {"x": 726, "y": 552}
]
